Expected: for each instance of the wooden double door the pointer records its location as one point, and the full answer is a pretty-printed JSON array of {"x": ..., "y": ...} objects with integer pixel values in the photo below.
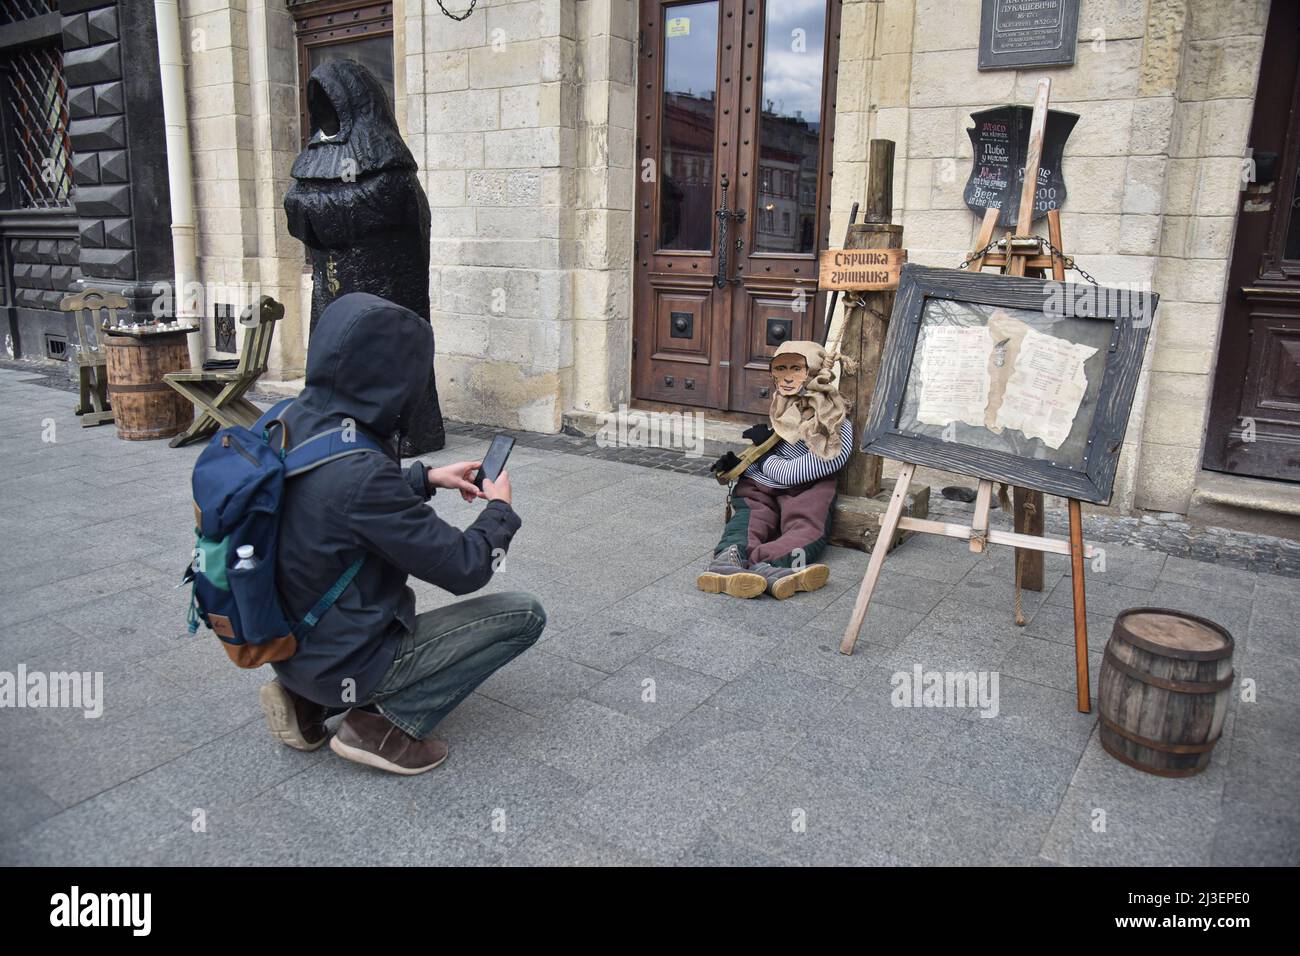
[
  {"x": 1254, "y": 426},
  {"x": 735, "y": 120}
]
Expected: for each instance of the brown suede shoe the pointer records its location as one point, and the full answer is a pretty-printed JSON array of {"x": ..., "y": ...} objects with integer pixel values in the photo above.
[
  {"x": 374, "y": 740},
  {"x": 297, "y": 721}
]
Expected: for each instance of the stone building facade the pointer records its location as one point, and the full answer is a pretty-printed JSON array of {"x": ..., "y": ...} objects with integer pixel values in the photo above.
[{"x": 526, "y": 119}]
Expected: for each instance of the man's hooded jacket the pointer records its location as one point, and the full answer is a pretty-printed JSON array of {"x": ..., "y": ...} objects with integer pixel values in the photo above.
[{"x": 368, "y": 364}]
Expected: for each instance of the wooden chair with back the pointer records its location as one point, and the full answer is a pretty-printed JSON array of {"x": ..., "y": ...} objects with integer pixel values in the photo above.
[{"x": 89, "y": 356}]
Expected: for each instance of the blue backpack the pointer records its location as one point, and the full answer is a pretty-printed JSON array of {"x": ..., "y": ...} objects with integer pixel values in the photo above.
[{"x": 238, "y": 486}]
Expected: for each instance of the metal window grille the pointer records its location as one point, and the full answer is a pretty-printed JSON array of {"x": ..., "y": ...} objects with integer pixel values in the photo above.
[
  {"x": 38, "y": 104},
  {"x": 56, "y": 346},
  {"x": 11, "y": 11}
]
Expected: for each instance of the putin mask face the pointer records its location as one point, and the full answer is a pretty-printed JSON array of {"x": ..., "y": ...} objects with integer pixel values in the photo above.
[{"x": 789, "y": 372}]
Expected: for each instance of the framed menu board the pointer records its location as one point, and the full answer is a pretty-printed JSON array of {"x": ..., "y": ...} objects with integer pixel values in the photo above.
[{"x": 1026, "y": 381}]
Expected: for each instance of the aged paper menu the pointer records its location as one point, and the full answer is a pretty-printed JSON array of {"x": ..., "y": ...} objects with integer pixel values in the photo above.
[
  {"x": 1003, "y": 375},
  {"x": 954, "y": 375},
  {"x": 1046, "y": 388}
]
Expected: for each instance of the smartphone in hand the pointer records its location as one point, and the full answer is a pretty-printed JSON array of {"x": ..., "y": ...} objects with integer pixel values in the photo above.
[{"x": 495, "y": 460}]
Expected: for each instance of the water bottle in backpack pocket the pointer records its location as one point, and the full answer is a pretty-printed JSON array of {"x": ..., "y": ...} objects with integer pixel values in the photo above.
[{"x": 238, "y": 486}]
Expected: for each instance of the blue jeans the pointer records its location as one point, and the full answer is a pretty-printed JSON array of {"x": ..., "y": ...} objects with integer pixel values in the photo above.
[{"x": 451, "y": 651}]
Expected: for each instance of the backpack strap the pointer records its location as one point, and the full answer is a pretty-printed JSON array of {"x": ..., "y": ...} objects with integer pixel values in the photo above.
[
  {"x": 272, "y": 413},
  {"x": 328, "y": 598},
  {"x": 269, "y": 419},
  {"x": 327, "y": 446}
]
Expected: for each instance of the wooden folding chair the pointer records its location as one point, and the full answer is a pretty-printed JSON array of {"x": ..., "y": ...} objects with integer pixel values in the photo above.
[
  {"x": 90, "y": 357},
  {"x": 218, "y": 396}
]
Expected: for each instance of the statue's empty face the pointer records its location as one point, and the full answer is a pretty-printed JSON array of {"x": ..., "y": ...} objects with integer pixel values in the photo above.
[
  {"x": 320, "y": 109},
  {"x": 789, "y": 372}
]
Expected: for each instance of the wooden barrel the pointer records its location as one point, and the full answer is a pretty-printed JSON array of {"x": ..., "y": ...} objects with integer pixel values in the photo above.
[
  {"x": 1163, "y": 691},
  {"x": 144, "y": 406}
]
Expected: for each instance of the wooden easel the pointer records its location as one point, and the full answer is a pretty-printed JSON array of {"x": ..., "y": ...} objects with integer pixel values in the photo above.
[{"x": 1016, "y": 256}]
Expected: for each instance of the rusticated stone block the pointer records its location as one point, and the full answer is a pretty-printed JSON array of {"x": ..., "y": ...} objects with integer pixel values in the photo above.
[
  {"x": 104, "y": 201},
  {"x": 92, "y": 233},
  {"x": 81, "y": 102},
  {"x": 75, "y": 32},
  {"x": 117, "y": 233},
  {"x": 85, "y": 169},
  {"x": 108, "y": 98},
  {"x": 94, "y": 64},
  {"x": 102, "y": 24},
  {"x": 98, "y": 133},
  {"x": 108, "y": 263},
  {"x": 112, "y": 166}
]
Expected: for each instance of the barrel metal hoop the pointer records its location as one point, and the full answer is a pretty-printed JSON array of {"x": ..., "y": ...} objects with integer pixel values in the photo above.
[
  {"x": 1157, "y": 744},
  {"x": 1182, "y": 687},
  {"x": 1118, "y": 753}
]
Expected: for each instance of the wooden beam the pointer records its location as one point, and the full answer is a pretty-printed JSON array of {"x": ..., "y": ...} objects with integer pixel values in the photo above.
[
  {"x": 863, "y": 338},
  {"x": 994, "y": 536},
  {"x": 979, "y": 525},
  {"x": 888, "y": 525},
  {"x": 987, "y": 225},
  {"x": 1083, "y": 695},
  {"x": 1034, "y": 158}
]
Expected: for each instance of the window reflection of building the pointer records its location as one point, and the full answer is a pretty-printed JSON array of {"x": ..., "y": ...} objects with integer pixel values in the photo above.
[
  {"x": 787, "y": 182},
  {"x": 686, "y": 187}
]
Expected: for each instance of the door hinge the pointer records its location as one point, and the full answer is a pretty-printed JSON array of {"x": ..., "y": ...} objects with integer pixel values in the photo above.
[
  {"x": 640, "y": 43},
  {"x": 634, "y": 348}
]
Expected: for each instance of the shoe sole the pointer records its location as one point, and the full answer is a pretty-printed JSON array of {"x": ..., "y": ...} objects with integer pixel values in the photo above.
[
  {"x": 281, "y": 721},
  {"x": 357, "y": 755},
  {"x": 810, "y": 578},
  {"x": 742, "y": 585}
]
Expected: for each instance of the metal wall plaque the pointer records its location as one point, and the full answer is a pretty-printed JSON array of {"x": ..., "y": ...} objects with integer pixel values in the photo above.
[
  {"x": 1018, "y": 33},
  {"x": 999, "y": 141}
]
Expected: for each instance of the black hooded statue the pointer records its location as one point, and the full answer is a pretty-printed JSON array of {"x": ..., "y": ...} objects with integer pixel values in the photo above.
[{"x": 358, "y": 207}]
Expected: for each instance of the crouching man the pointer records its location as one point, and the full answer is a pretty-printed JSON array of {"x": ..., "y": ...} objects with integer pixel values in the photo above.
[
  {"x": 396, "y": 673},
  {"x": 782, "y": 504}
]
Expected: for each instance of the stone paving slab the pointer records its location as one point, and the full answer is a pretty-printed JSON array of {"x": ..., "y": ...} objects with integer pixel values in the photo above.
[{"x": 652, "y": 724}]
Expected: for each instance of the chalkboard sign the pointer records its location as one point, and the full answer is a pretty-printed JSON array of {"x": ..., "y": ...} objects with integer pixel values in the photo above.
[
  {"x": 1018, "y": 33},
  {"x": 999, "y": 143}
]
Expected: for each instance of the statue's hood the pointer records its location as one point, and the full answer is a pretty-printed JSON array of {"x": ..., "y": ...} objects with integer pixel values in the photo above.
[
  {"x": 353, "y": 132},
  {"x": 368, "y": 360}
]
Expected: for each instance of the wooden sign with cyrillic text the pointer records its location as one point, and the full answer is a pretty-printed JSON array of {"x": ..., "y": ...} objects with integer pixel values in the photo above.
[{"x": 860, "y": 270}]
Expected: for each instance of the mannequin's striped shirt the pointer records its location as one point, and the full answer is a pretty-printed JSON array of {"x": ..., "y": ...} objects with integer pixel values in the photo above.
[{"x": 791, "y": 465}]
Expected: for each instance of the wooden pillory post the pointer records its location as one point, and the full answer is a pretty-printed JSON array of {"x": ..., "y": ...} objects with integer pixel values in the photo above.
[
  {"x": 860, "y": 500},
  {"x": 1015, "y": 256}
]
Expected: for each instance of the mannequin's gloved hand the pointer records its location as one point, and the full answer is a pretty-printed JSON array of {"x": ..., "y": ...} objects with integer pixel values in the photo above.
[
  {"x": 725, "y": 463},
  {"x": 758, "y": 433}
]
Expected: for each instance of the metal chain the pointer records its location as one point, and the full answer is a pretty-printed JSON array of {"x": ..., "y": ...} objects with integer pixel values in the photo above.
[
  {"x": 463, "y": 16},
  {"x": 1067, "y": 261},
  {"x": 978, "y": 253}
]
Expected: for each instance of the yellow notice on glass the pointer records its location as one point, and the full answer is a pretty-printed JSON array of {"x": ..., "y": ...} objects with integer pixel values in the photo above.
[{"x": 679, "y": 26}]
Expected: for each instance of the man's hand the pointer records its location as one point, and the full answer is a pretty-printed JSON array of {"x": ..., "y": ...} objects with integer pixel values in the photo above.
[
  {"x": 458, "y": 476},
  {"x": 498, "y": 490}
]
